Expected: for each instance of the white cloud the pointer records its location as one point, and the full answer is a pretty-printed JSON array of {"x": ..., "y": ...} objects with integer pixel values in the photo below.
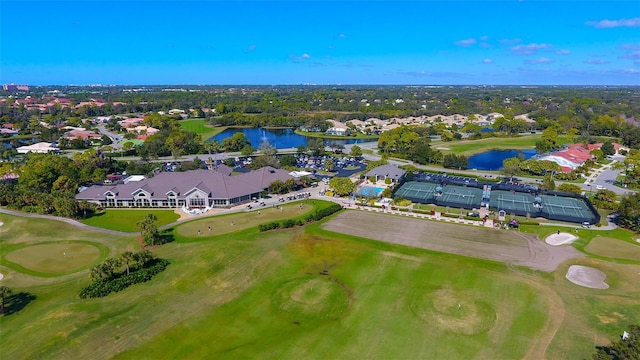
[
  {"x": 250, "y": 48},
  {"x": 563, "y": 52},
  {"x": 487, "y": 61},
  {"x": 529, "y": 49},
  {"x": 299, "y": 58},
  {"x": 417, "y": 73},
  {"x": 596, "y": 61},
  {"x": 465, "y": 42},
  {"x": 484, "y": 38},
  {"x": 341, "y": 36},
  {"x": 542, "y": 60},
  {"x": 606, "y": 24},
  {"x": 631, "y": 71}
]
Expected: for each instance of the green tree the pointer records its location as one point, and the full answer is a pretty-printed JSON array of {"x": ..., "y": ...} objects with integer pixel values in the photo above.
[
  {"x": 329, "y": 165},
  {"x": 356, "y": 151},
  {"x": 315, "y": 146},
  {"x": 629, "y": 212},
  {"x": 597, "y": 153},
  {"x": 548, "y": 182},
  {"x": 342, "y": 186},
  {"x": 148, "y": 229},
  {"x": 607, "y": 148},
  {"x": 247, "y": 150},
  {"x": 572, "y": 188},
  {"x": 5, "y": 292},
  {"x": 127, "y": 258},
  {"x": 142, "y": 257},
  {"x": 288, "y": 160},
  {"x": 622, "y": 349},
  {"x": 511, "y": 167}
]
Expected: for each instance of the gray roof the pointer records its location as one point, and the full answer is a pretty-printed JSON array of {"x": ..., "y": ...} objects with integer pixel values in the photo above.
[
  {"x": 390, "y": 171},
  {"x": 216, "y": 184}
]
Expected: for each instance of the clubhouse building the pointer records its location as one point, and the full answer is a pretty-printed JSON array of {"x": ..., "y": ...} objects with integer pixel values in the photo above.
[{"x": 190, "y": 190}]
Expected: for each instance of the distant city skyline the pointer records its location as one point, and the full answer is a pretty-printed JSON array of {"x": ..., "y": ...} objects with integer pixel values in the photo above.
[{"x": 528, "y": 42}]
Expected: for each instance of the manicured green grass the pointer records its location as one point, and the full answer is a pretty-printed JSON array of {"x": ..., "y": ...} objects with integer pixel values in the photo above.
[
  {"x": 200, "y": 126},
  {"x": 54, "y": 257},
  {"x": 613, "y": 248},
  {"x": 243, "y": 220},
  {"x": 470, "y": 147},
  {"x": 309, "y": 293},
  {"x": 126, "y": 219}
]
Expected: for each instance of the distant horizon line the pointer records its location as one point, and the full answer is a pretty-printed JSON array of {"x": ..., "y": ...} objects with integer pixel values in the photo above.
[{"x": 323, "y": 85}]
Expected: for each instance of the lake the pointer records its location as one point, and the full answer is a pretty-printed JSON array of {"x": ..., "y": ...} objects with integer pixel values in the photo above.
[
  {"x": 492, "y": 160},
  {"x": 279, "y": 138}
]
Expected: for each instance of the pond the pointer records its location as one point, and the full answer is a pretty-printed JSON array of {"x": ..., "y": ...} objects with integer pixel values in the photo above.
[
  {"x": 279, "y": 138},
  {"x": 492, "y": 160}
]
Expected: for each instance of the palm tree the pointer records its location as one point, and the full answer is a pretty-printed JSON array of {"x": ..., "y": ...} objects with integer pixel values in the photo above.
[
  {"x": 4, "y": 293},
  {"x": 96, "y": 272},
  {"x": 126, "y": 258},
  {"x": 148, "y": 229},
  {"x": 109, "y": 267},
  {"x": 143, "y": 256}
]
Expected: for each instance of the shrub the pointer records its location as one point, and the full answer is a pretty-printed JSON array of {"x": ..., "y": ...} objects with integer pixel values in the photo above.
[
  {"x": 106, "y": 286},
  {"x": 387, "y": 181},
  {"x": 316, "y": 215}
]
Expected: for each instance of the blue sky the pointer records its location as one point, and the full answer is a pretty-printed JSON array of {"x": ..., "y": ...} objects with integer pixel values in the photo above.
[{"x": 320, "y": 42}]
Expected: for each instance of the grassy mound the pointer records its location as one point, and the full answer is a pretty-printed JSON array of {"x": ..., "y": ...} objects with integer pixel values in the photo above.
[
  {"x": 55, "y": 258},
  {"x": 456, "y": 311},
  {"x": 311, "y": 298},
  {"x": 613, "y": 248}
]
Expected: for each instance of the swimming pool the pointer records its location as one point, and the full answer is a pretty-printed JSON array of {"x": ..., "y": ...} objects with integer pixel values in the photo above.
[{"x": 369, "y": 191}]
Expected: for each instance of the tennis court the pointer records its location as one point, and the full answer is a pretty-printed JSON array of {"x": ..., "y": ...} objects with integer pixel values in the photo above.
[
  {"x": 420, "y": 192},
  {"x": 566, "y": 207},
  {"x": 510, "y": 201},
  {"x": 460, "y": 196}
]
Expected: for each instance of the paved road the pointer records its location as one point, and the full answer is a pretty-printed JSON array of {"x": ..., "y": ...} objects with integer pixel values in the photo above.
[{"x": 113, "y": 136}]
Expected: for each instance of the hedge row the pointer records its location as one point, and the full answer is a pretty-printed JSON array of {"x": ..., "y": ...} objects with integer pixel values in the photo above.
[
  {"x": 104, "y": 287},
  {"x": 316, "y": 215}
]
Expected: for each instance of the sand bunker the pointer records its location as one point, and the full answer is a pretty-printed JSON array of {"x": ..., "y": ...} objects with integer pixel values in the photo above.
[
  {"x": 556, "y": 239},
  {"x": 1, "y": 223},
  {"x": 1, "y": 276},
  {"x": 587, "y": 277}
]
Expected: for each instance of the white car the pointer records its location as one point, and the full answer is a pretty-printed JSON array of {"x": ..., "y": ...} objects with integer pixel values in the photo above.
[{"x": 600, "y": 187}]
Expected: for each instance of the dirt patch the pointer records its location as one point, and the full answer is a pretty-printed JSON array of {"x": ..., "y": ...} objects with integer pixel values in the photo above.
[
  {"x": 401, "y": 256},
  {"x": 557, "y": 239},
  {"x": 507, "y": 246},
  {"x": 612, "y": 318},
  {"x": 587, "y": 276}
]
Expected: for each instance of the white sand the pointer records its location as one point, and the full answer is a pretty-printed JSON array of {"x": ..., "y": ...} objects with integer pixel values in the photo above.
[
  {"x": 1, "y": 276},
  {"x": 560, "y": 239},
  {"x": 587, "y": 277},
  {"x": 1, "y": 223}
]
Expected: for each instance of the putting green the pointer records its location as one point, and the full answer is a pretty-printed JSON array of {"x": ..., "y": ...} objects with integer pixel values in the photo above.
[
  {"x": 456, "y": 311},
  {"x": 311, "y": 298},
  {"x": 613, "y": 248},
  {"x": 58, "y": 257}
]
